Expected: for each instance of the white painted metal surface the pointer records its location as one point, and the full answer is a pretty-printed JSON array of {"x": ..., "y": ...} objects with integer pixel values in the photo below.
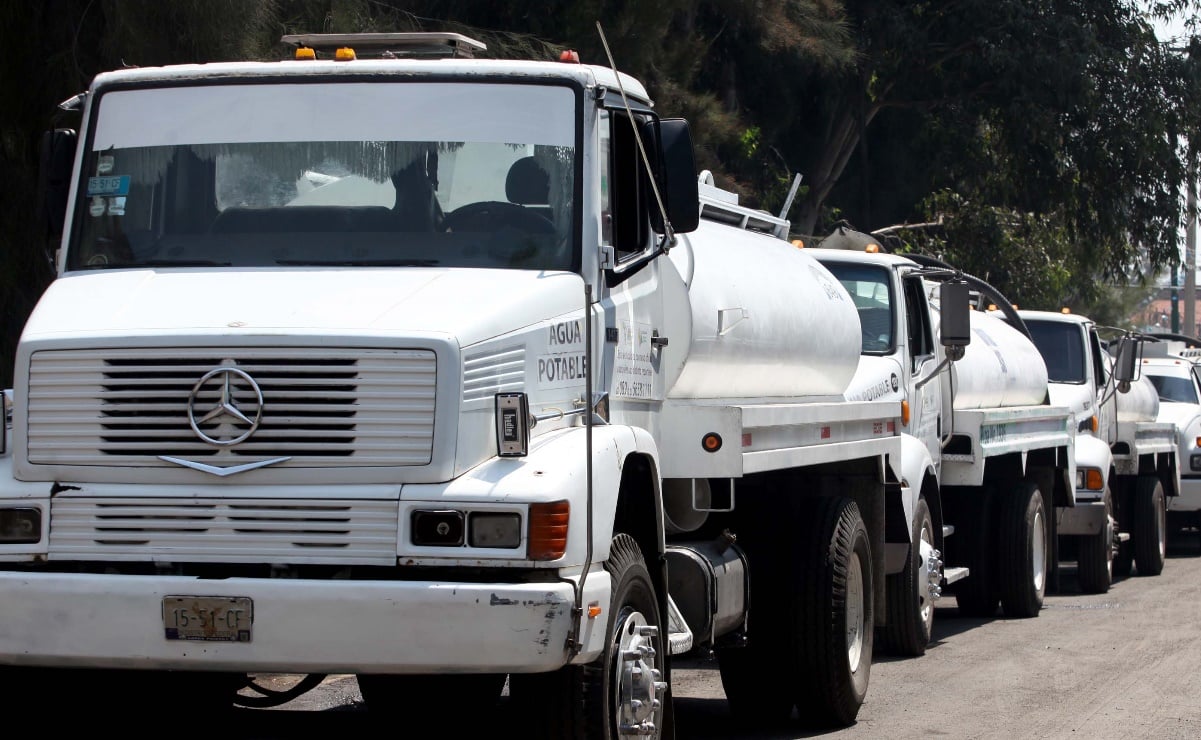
[
  {"x": 1001, "y": 367},
  {"x": 767, "y": 319}
]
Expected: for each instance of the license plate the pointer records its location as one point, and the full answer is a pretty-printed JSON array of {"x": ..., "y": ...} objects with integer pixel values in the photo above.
[{"x": 209, "y": 618}]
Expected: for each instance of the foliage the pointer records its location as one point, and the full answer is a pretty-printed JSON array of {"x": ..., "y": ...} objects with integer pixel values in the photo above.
[{"x": 1048, "y": 138}]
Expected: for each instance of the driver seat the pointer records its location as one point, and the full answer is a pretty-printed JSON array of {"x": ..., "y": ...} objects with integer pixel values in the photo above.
[{"x": 527, "y": 184}]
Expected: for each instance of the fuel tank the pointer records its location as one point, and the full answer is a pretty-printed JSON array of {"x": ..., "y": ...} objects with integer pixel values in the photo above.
[{"x": 759, "y": 318}]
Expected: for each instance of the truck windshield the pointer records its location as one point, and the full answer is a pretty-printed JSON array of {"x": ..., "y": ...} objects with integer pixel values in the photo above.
[
  {"x": 1062, "y": 346},
  {"x": 1174, "y": 390},
  {"x": 348, "y": 173},
  {"x": 871, "y": 290}
]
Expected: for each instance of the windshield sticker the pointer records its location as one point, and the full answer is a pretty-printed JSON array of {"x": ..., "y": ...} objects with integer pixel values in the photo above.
[
  {"x": 97, "y": 207},
  {"x": 108, "y": 185},
  {"x": 116, "y": 206},
  {"x": 104, "y": 164}
]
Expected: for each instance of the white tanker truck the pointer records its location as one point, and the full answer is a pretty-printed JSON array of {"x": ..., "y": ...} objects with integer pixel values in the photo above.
[
  {"x": 1127, "y": 462},
  {"x": 403, "y": 365},
  {"x": 984, "y": 456}
]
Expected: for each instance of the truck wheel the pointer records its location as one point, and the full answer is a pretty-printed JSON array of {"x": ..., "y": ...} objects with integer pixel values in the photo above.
[
  {"x": 1022, "y": 551},
  {"x": 429, "y": 701},
  {"x": 977, "y": 595},
  {"x": 622, "y": 692},
  {"x": 834, "y": 613},
  {"x": 910, "y": 600},
  {"x": 1150, "y": 526},
  {"x": 1095, "y": 554}
]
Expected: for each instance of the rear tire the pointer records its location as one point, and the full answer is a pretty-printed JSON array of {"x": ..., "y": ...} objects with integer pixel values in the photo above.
[
  {"x": 910, "y": 604},
  {"x": 977, "y": 594},
  {"x": 833, "y": 612},
  {"x": 1095, "y": 558},
  {"x": 1150, "y": 526},
  {"x": 1022, "y": 551}
]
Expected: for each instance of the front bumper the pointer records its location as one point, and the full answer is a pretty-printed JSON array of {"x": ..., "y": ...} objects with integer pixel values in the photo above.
[
  {"x": 1085, "y": 518},
  {"x": 300, "y": 625},
  {"x": 1190, "y": 495}
]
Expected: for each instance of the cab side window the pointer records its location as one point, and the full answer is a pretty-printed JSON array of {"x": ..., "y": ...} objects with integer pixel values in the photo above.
[
  {"x": 624, "y": 193},
  {"x": 917, "y": 319}
]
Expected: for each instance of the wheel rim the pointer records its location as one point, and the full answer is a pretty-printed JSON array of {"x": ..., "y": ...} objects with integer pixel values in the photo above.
[
  {"x": 855, "y": 610},
  {"x": 1039, "y": 551},
  {"x": 637, "y": 676},
  {"x": 925, "y": 595}
]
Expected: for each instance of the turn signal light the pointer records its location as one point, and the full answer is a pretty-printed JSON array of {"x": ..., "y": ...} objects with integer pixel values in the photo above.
[
  {"x": 1090, "y": 479},
  {"x": 304, "y": 52},
  {"x": 905, "y": 413},
  {"x": 345, "y": 54},
  {"x": 548, "y": 530}
]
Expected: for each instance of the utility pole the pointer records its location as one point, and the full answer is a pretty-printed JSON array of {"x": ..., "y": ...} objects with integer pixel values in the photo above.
[{"x": 1190, "y": 256}]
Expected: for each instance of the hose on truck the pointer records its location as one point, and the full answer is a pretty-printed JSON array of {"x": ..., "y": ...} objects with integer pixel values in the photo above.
[{"x": 268, "y": 698}]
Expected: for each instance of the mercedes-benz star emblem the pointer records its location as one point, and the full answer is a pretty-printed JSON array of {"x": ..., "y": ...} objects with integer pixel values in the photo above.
[{"x": 224, "y": 378}]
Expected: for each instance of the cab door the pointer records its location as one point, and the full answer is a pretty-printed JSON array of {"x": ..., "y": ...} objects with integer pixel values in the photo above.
[
  {"x": 635, "y": 338},
  {"x": 927, "y": 401}
]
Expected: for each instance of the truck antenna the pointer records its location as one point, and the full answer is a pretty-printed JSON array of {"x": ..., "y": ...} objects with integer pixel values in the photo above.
[{"x": 669, "y": 234}]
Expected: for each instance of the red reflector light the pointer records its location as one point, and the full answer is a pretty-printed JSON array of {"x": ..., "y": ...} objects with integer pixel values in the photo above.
[{"x": 569, "y": 55}]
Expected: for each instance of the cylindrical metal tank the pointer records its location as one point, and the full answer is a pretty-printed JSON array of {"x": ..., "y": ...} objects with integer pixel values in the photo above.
[
  {"x": 1141, "y": 403},
  {"x": 750, "y": 315},
  {"x": 1000, "y": 367}
]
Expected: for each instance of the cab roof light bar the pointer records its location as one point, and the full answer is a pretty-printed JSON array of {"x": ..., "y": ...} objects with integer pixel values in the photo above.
[{"x": 421, "y": 45}]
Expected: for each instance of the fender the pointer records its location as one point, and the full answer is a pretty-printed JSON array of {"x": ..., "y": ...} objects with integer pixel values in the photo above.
[
  {"x": 1091, "y": 453},
  {"x": 555, "y": 470},
  {"x": 916, "y": 466}
]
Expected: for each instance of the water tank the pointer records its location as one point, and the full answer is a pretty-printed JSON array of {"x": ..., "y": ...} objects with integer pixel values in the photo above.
[
  {"x": 751, "y": 316},
  {"x": 1141, "y": 403},
  {"x": 1000, "y": 367}
]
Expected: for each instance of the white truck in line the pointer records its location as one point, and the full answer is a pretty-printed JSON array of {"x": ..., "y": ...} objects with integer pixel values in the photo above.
[
  {"x": 1171, "y": 366},
  {"x": 984, "y": 456},
  {"x": 1127, "y": 464},
  {"x": 392, "y": 361}
]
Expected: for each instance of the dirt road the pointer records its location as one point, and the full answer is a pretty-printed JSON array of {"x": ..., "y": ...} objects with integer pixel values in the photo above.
[{"x": 1123, "y": 664}]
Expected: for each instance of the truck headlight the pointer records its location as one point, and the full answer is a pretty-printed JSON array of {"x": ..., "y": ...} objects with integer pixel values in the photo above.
[
  {"x": 20, "y": 526},
  {"x": 1089, "y": 479},
  {"x": 1194, "y": 462},
  {"x": 494, "y": 529}
]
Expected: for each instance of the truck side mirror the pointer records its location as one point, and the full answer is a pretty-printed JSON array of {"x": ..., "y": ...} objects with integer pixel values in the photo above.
[
  {"x": 677, "y": 175},
  {"x": 54, "y": 179},
  {"x": 1125, "y": 366},
  {"x": 954, "y": 317}
]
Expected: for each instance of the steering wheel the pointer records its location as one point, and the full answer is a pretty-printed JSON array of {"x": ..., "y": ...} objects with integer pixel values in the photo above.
[{"x": 492, "y": 215}]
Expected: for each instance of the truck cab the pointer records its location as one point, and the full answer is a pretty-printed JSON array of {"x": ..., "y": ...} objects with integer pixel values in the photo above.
[{"x": 1172, "y": 369}]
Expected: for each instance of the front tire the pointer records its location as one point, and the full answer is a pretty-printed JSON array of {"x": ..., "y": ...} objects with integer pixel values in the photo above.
[
  {"x": 1022, "y": 551},
  {"x": 1150, "y": 526},
  {"x": 621, "y": 693},
  {"x": 1095, "y": 557},
  {"x": 910, "y": 602}
]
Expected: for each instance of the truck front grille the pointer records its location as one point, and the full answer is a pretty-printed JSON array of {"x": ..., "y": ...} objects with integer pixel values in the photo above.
[
  {"x": 213, "y": 530},
  {"x": 320, "y": 407}
]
